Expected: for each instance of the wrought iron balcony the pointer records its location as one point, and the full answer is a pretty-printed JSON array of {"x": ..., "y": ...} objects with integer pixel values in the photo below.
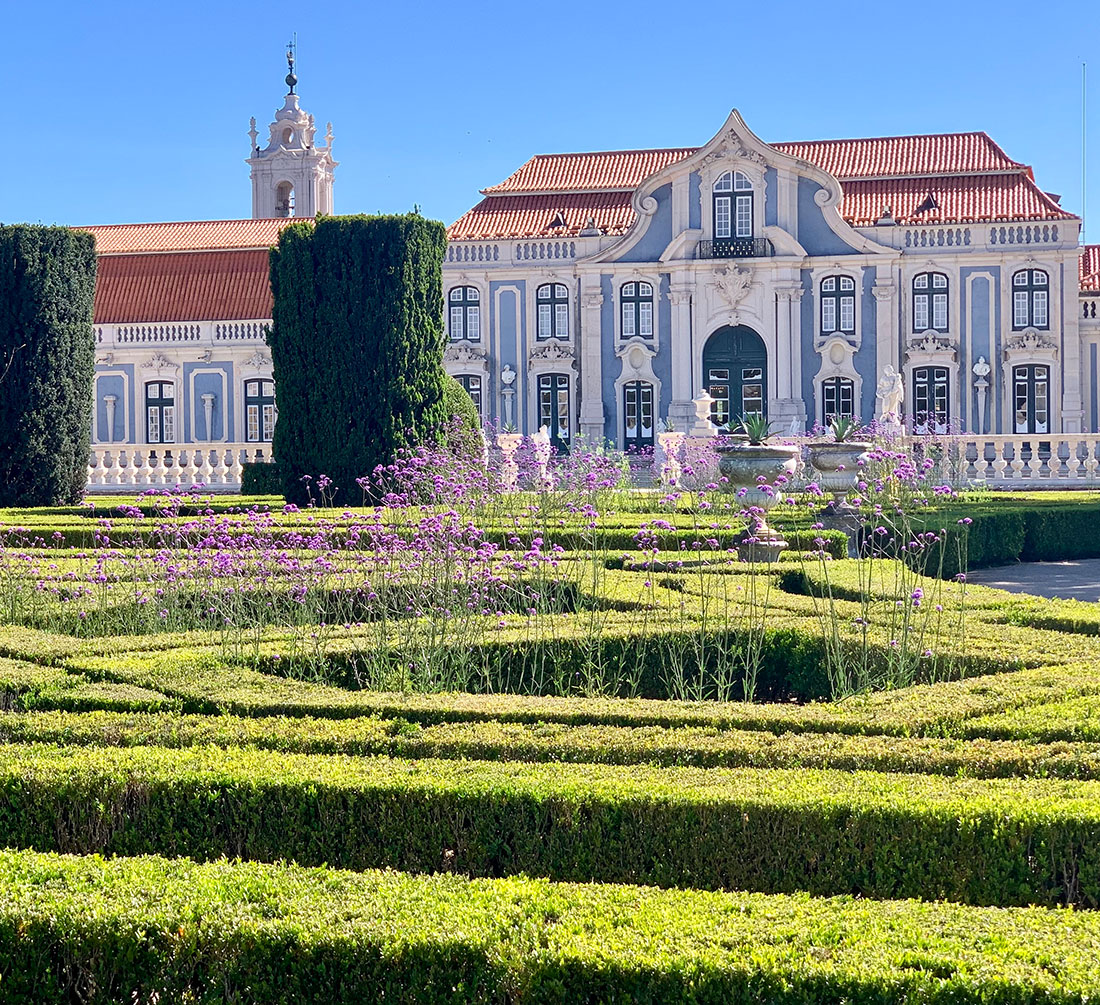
[{"x": 735, "y": 247}]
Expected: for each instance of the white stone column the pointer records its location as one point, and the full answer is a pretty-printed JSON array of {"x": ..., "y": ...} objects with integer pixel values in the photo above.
[
  {"x": 886, "y": 329},
  {"x": 590, "y": 352},
  {"x": 789, "y": 410},
  {"x": 681, "y": 410}
]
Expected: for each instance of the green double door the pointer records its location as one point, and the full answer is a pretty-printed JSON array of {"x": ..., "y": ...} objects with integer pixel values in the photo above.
[{"x": 735, "y": 374}]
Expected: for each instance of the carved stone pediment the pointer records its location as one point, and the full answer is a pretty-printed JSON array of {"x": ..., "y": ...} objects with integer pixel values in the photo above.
[
  {"x": 160, "y": 365},
  {"x": 552, "y": 351},
  {"x": 464, "y": 352},
  {"x": 258, "y": 361},
  {"x": 732, "y": 145},
  {"x": 1031, "y": 342},
  {"x": 930, "y": 342}
]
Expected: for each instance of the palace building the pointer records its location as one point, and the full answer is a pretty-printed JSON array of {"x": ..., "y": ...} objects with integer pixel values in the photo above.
[{"x": 600, "y": 294}]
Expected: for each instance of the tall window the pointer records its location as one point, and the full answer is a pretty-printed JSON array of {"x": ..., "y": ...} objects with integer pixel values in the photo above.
[
  {"x": 637, "y": 310},
  {"x": 552, "y": 300},
  {"x": 160, "y": 412},
  {"x": 732, "y": 206},
  {"x": 931, "y": 399},
  {"x": 838, "y": 305},
  {"x": 465, "y": 318},
  {"x": 1031, "y": 399},
  {"x": 554, "y": 408},
  {"x": 637, "y": 415},
  {"x": 1030, "y": 299},
  {"x": 260, "y": 412},
  {"x": 838, "y": 399},
  {"x": 930, "y": 302},
  {"x": 472, "y": 384}
]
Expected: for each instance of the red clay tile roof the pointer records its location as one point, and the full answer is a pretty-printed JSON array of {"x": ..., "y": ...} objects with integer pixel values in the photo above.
[
  {"x": 526, "y": 216},
  {"x": 203, "y": 286},
  {"x": 965, "y": 199},
  {"x": 968, "y": 176},
  {"x": 905, "y": 156},
  {"x": 1090, "y": 268},
  {"x": 194, "y": 235}
]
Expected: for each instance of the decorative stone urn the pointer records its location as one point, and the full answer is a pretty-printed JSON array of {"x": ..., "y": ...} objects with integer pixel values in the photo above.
[
  {"x": 837, "y": 465},
  {"x": 744, "y": 465}
]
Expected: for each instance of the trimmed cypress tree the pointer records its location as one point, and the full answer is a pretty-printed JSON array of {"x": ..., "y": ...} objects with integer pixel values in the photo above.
[
  {"x": 356, "y": 344},
  {"x": 47, "y": 361}
]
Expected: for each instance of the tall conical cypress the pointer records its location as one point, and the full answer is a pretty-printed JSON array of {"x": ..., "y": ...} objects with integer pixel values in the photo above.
[
  {"x": 47, "y": 361},
  {"x": 356, "y": 344}
]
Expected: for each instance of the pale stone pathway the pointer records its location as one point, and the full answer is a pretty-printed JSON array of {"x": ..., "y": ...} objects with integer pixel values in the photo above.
[{"x": 1077, "y": 580}]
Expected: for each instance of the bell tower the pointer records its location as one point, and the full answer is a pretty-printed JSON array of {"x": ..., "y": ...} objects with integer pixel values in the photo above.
[{"x": 292, "y": 175}]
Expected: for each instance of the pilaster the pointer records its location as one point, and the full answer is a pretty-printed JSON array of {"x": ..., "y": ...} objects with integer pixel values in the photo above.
[
  {"x": 681, "y": 409},
  {"x": 591, "y": 361}
]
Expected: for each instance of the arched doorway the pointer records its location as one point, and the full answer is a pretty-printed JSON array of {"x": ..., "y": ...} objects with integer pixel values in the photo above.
[{"x": 735, "y": 374}]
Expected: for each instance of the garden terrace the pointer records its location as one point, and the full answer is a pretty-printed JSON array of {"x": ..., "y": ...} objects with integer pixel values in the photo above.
[{"x": 608, "y": 759}]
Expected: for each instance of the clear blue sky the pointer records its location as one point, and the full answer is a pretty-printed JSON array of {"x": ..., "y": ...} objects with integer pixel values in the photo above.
[{"x": 137, "y": 111}]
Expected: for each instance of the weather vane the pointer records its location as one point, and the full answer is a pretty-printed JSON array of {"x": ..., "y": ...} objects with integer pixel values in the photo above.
[{"x": 291, "y": 53}]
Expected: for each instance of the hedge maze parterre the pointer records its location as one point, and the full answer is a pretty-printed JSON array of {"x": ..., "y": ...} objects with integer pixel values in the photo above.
[{"x": 273, "y": 812}]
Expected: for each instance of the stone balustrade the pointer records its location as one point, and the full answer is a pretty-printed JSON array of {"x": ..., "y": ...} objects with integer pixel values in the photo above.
[
  {"x": 217, "y": 466},
  {"x": 1030, "y": 460}
]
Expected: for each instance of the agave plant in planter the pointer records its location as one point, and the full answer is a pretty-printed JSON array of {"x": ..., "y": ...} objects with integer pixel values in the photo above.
[
  {"x": 836, "y": 462},
  {"x": 756, "y": 470}
]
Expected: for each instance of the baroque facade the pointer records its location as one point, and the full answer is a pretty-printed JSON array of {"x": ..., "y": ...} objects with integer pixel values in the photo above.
[{"x": 599, "y": 294}]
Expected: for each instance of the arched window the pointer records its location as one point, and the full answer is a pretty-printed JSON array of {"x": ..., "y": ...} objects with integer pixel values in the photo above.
[
  {"x": 160, "y": 412},
  {"x": 637, "y": 310},
  {"x": 1030, "y": 299},
  {"x": 471, "y": 382},
  {"x": 838, "y": 399},
  {"x": 1031, "y": 398},
  {"x": 554, "y": 408},
  {"x": 732, "y": 206},
  {"x": 552, "y": 300},
  {"x": 637, "y": 415},
  {"x": 931, "y": 399},
  {"x": 284, "y": 199},
  {"x": 260, "y": 412},
  {"x": 465, "y": 316},
  {"x": 838, "y": 305},
  {"x": 930, "y": 302}
]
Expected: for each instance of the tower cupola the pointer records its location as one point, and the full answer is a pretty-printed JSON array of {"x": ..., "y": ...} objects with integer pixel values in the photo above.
[{"x": 292, "y": 175}]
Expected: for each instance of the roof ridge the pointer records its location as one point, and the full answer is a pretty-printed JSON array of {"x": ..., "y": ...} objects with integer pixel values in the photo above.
[{"x": 181, "y": 223}]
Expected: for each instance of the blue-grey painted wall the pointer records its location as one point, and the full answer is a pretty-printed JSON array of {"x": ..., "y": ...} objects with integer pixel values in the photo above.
[
  {"x": 609, "y": 362},
  {"x": 811, "y": 361},
  {"x": 814, "y": 233},
  {"x": 662, "y": 362},
  {"x": 976, "y": 312},
  {"x": 865, "y": 361},
  {"x": 115, "y": 383},
  {"x": 771, "y": 198},
  {"x": 695, "y": 206},
  {"x": 505, "y": 337},
  {"x": 658, "y": 234},
  {"x": 196, "y": 384}
]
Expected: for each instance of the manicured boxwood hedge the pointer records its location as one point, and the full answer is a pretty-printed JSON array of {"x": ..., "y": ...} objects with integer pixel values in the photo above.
[
  {"x": 1010, "y": 842},
  {"x": 261, "y": 479},
  {"x": 150, "y": 929}
]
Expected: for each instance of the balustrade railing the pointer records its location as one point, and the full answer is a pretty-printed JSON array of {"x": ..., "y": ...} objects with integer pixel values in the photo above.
[
  {"x": 1024, "y": 459},
  {"x": 217, "y": 466}
]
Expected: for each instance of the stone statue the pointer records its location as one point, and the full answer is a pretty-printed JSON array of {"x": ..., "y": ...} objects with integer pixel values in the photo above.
[
  {"x": 981, "y": 368},
  {"x": 890, "y": 392}
]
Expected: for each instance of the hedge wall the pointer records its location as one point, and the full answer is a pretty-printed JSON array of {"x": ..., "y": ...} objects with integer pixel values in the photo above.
[
  {"x": 356, "y": 345},
  {"x": 47, "y": 358}
]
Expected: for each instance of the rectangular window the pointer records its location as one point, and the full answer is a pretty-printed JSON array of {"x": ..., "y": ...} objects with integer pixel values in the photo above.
[
  {"x": 628, "y": 320},
  {"x": 154, "y": 425},
  {"x": 456, "y": 323},
  {"x": 252, "y": 419},
  {"x": 847, "y": 314},
  {"x": 1040, "y": 302},
  {"x": 828, "y": 315},
  {"x": 545, "y": 330},
  {"x": 270, "y": 415},
  {"x": 1019, "y": 310},
  {"x": 168, "y": 431},
  {"x": 719, "y": 389},
  {"x": 645, "y": 326},
  {"x": 473, "y": 323},
  {"x": 722, "y": 216},
  {"x": 744, "y": 216},
  {"x": 939, "y": 311},
  {"x": 920, "y": 312},
  {"x": 561, "y": 320}
]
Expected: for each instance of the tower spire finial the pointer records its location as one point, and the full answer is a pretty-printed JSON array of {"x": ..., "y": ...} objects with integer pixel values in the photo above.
[{"x": 291, "y": 54}]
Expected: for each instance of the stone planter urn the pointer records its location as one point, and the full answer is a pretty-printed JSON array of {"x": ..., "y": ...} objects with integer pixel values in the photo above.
[
  {"x": 744, "y": 464},
  {"x": 836, "y": 466}
]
